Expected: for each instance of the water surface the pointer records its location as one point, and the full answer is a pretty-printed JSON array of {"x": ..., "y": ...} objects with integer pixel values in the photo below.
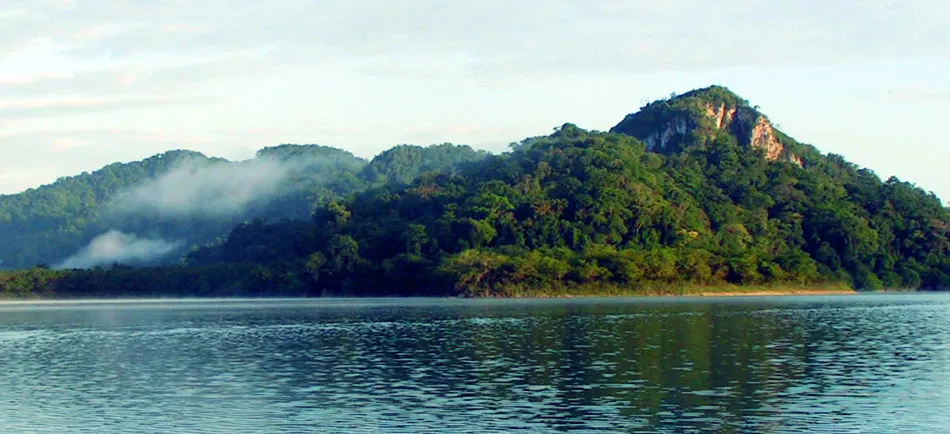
[{"x": 771, "y": 364}]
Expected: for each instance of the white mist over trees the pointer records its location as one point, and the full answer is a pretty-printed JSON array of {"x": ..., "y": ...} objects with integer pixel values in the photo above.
[
  {"x": 192, "y": 194},
  {"x": 189, "y": 197},
  {"x": 206, "y": 189},
  {"x": 117, "y": 247}
]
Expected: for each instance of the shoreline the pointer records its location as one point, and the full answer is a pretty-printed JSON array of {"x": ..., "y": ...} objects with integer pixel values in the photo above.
[
  {"x": 778, "y": 293},
  {"x": 690, "y": 293},
  {"x": 697, "y": 294},
  {"x": 662, "y": 291}
]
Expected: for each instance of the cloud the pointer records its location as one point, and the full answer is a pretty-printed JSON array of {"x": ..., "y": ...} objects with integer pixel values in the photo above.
[
  {"x": 42, "y": 107},
  {"x": 117, "y": 247},
  {"x": 25, "y": 80},
  {"x": 206, "y": 189},
  {"x": 386, "y": 71},
  {"x": 499, "y": 36},
  {"x": 921, "y": 95},
  {"x": 136, "y": 79},
  {"x": 63, "y": 144}
]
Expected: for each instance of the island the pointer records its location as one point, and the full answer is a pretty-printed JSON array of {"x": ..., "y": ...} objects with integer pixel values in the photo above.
[{"x": 696, "y": 194}]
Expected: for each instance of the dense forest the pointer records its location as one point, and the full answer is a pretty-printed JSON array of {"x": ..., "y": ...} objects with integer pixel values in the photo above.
[
  {"x": 194, "y": 200},
  {"x": 698, "y": 190}
]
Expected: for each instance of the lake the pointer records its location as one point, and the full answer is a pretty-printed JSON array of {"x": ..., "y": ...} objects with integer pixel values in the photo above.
[{"x": 870, "y": 363}]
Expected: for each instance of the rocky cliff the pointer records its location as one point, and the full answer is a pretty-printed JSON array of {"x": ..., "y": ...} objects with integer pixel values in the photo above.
[{"x": 697, "y": 117}]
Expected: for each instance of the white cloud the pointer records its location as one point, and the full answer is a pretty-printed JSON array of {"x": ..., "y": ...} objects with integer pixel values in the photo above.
[
  {"x": 117, "y": 247},
  {"x": 136, "y": 79},
  {"x": 209, "y": 190},
  {"x": 527, "y": 36},
  {"x": 40, "y": 107},
  {"x": 366, "y": 74},
  {"x": 62, "y": 144},
  {"x": 921, "y": 95}
]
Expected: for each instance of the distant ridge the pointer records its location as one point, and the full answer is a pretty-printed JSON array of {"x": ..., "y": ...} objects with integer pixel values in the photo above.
[{"x": 45, "y": 225}]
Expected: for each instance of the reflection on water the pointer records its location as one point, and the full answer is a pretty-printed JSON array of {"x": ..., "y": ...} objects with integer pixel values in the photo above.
[{"x": 829, "y": 364}]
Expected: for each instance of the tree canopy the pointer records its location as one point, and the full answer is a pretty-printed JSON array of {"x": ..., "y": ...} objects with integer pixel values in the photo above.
[
  {"x": 150, "y": 198},
  {"x": 578, "y": 210}
]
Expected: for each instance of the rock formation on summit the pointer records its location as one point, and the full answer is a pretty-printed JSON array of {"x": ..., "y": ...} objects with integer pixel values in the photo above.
[{"x": 694, "y": 118}]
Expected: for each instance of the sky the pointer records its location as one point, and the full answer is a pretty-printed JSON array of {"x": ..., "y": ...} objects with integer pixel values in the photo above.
[{"x": 84, "y": 83}]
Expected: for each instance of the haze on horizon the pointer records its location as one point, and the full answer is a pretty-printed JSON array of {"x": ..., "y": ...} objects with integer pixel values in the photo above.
[{"x": 86, "y": 83}]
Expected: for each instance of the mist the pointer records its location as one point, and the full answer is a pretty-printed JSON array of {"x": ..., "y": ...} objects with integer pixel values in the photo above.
[
  {"x": 210, "y": 190},
  {"x": 118, "y": 247}
]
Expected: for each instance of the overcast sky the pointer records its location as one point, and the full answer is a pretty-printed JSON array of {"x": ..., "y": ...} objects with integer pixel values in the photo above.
[{"x": 87, "y": 82}]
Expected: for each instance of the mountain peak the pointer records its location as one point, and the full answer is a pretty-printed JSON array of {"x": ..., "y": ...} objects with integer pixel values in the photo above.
[
  {"x": 716, "y": 95},
  {"x": 700, "y": 116}
]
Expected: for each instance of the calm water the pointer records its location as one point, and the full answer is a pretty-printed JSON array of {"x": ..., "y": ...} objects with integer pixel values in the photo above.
[{"x": 815, "y": 364}]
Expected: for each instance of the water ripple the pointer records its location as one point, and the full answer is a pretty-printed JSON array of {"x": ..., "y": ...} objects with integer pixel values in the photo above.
[{"x": 862, "y": 364}]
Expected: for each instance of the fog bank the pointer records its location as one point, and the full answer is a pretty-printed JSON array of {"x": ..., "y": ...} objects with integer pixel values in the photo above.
[
  {"x": 211, "y": 190},
  {"x": 117, "y": 247}
]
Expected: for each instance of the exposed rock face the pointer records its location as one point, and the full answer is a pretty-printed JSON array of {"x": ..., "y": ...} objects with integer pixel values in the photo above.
[
  {"x": 723, "y": 115},
  {"x": 763, "y": 137},
  {"x": 698, "y": 117},
  {"x": 752, "y": 129},
  {"x": 660, "y": 140}
]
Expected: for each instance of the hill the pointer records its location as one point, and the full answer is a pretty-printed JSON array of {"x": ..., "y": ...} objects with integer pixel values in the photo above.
[
  {"x": 695, "y": 191},
  {"x": 696, "y": 119},
  {"x": 155, "y": 210}
]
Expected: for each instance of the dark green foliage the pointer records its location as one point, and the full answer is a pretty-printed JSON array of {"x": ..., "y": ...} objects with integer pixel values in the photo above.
[
  {"x": 694, "y": 119},
  {"x": 50, "y": 223},
  {"x": 36, "y": 282},
  {"x": 575, "y": 209},
  {"x": 581, "y": 209},
  {"x": 404, "y": 163},
  {"x": 42, "y": 225},
  {"x": 47, "y": 224}
]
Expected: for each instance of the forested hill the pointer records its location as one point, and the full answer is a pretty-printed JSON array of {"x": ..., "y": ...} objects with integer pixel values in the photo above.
[
  {"x": 155, "y": 210},
  {"x": 696, "y": 191},
  {"x": 699, "y": 190},
  {"x": 702, "y": 116}
]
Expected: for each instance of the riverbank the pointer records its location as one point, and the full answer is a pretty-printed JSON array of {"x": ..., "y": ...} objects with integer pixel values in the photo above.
[
  {"x": 509, "y": 293},
  {"x": 769, "y": 293},
  {"x": 674, "y": 291}
]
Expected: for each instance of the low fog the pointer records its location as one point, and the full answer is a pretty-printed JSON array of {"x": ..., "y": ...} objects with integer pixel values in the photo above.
[
  {"x": 195, "y": 189},
  {"x": 117, "y": 247},
  {"x": 209, "y": 190}
]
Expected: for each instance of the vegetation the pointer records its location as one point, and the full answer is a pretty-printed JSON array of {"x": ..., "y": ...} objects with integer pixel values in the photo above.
[
  {"x": 48, "y": 224},
  {"x": 576, "y": 212}
]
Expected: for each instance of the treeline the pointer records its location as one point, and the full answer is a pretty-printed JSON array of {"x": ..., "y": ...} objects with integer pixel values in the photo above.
[
  {"x": 576, "y": 211},
  {"x": 48, "y": 224},
  {"x": 220, "y": 280},
  {"x": 581, "y": 209}
]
